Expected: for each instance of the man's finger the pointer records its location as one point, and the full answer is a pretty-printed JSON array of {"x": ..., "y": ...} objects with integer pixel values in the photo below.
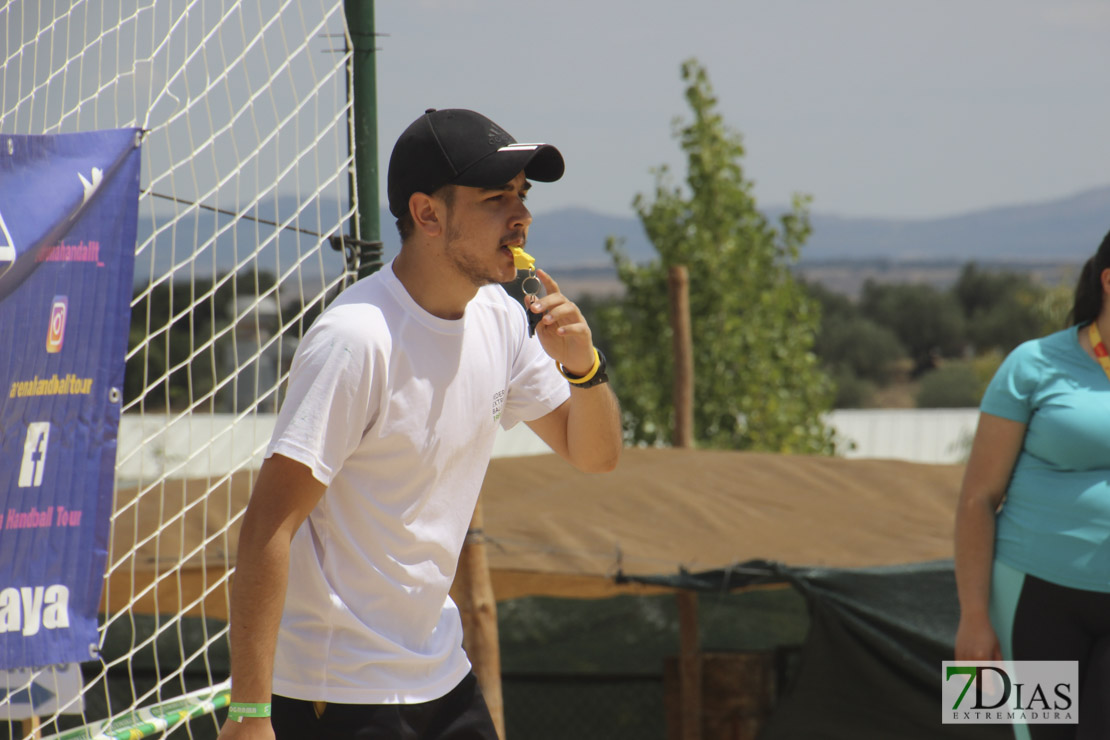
[
  {"x": 548, "y": 282},
  {"x": 573, "y": 329},
  {"x": 563, "y": 312},
  {"x": 549, "y": 301}
]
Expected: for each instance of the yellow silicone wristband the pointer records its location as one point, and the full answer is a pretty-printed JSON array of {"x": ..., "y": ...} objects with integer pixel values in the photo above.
[{"x": 585, "y": 378}]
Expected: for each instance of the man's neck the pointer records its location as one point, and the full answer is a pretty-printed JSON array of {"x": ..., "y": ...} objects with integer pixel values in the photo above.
[{"x": 434, "y": 286}]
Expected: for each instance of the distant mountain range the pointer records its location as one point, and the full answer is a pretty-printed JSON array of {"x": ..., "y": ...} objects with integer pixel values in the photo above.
[
  {"x": 1059, "y": 231},
  {"x": 1064, "y": 229}
]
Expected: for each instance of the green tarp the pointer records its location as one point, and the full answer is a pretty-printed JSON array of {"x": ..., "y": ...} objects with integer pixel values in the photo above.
[{"x": 870, "y": 666}]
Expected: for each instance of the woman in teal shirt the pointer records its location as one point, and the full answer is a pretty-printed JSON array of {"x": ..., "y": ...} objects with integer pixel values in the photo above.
[{"x": 1033, "y": 524}]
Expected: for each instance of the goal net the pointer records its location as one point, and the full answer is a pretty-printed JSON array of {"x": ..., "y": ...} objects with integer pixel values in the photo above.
[{"x": 245, "y": 167}]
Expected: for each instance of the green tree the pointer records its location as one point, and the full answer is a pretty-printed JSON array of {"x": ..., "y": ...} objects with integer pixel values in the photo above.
[
  {"x": 953, "y": 385},
  {"x": 167, "y": 371},
  {"x": 179, "y": 338},
  {"x": 860, "y": 354},
  {"x": 757, "y": 381},
  {"x": 928, "y": 322},
  {"x": 861, "y": 348},
  {"x": 1054, "y": 308},
  {"x": 1002, "y": 309}
]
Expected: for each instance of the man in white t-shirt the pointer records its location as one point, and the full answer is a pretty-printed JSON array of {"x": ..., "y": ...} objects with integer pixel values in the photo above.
[{"x": 340, "y": 607}]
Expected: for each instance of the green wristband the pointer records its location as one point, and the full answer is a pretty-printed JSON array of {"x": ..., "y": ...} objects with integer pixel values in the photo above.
[{"x": 239, "y": 711}]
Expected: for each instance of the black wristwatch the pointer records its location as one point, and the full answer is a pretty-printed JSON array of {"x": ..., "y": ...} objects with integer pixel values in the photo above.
[{"x": 596, "y": 376}]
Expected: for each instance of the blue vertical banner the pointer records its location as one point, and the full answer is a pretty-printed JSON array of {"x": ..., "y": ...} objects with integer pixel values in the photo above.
[{"x": 68, "y": 216}]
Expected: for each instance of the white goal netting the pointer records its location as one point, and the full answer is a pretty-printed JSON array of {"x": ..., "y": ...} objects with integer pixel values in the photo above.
[{"x": 245, "y": 167}]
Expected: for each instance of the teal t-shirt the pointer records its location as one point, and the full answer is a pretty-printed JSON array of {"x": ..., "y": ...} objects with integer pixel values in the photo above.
[{"x": 1055, "y": 521}]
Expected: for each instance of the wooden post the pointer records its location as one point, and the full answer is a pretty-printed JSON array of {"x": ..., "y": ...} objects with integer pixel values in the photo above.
[
  {"x": 472, "y": 592},
  {"x": 678, "y": 287},
  {"x": 32, "y": 728},
  {"x": 689, "y": 666},
  {"x": 689, "y": 657}
]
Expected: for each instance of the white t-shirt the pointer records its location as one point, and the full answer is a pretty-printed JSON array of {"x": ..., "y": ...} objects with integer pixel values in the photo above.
[{"x": 395, "y": 410}]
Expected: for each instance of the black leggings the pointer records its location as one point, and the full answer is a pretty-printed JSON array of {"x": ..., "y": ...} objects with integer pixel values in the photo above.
[
  {"x": 1053, "y": 622},
  {"x": 460, "y": 715}
]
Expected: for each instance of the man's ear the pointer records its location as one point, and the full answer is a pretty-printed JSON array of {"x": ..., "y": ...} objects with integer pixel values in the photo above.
[{"x": 426, "y": 214}]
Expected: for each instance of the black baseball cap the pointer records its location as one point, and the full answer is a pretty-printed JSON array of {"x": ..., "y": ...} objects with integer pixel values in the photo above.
[{"x": 460, "y": 147}]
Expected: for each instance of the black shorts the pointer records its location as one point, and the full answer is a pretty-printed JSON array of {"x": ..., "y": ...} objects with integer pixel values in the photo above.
[
  {"x": 460, "y": 715},
  {"x": 1040, "y": 620}
]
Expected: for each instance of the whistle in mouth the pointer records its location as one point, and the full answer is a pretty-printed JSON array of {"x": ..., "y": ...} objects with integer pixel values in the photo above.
[{"x": 521, "y": 259}]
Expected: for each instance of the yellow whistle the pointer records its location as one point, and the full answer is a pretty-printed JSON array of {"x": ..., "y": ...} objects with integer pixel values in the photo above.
[{"x": 521, "y": 259}]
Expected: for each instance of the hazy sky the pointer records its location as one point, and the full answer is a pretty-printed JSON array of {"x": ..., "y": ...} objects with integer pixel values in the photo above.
[{"x": 902, "y": 108}]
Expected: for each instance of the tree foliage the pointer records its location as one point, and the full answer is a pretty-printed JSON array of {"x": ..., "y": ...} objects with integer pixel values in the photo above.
[
  {"x": 757, "y": 382},
  {"x": 929, "y": 322},
  {"x": 1002, "y": 309},
  {"x": 955, "y": 385},
  {"x": 964, "y": 330},
  {"x": 180, "y": 339},
  {"x": 860, "y": 353}
]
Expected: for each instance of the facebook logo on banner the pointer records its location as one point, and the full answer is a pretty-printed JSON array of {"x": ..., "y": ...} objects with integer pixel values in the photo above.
[{"x": 34, "y": 454}]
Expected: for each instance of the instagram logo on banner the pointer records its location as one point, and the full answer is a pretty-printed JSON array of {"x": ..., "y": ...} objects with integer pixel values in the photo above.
[{"x": 57, "y": 331}]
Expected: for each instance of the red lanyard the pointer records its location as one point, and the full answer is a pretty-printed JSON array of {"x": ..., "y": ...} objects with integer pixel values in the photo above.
[{"x": 1101, "y": 353}]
